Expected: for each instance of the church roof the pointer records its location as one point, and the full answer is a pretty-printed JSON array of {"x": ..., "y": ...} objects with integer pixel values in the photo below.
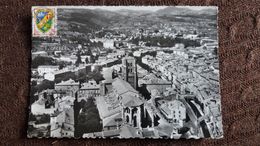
[
  {"x": 105, "y": 110},
  {"x": 129, "y": 100},
  {"x": 110, "y": 121},
  {"x": 130, "y": 97},
  {"x": 122, "y": 86}
]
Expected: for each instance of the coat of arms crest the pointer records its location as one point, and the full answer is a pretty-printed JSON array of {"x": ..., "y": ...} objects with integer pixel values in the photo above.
[{"x": 44, "y": 22}]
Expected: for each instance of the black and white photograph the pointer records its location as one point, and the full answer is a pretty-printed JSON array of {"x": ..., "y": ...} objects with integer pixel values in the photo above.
[{"x": 125, "y": 72}]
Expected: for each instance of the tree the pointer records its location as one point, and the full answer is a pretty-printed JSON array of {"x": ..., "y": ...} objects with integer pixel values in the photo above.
[
  {"x": 62, "y": 64},
  {"x": 89, "y": 52},
  {"x": 78, "y": 61},
  {"x": 33, "y": 83},
  {"x": 46, "y": 84},
  {"x": 40, "y": 134},
  {"x": 45, "y": 118},
  {"x": 96, "y": 75},
  {"x": 88, "y": 119},
  {"x": 81, "y": 77},
  {"x": 92, "y": 59},
  {"x": 33, "y": 98},
  {"x": 195, "y": 32},
  {"x": 215, "y": 52},
  {"x": 41, "y": 60},
  {"x": 86, "y": 60},
  {"x": 114, "y": 74},
  {"x": 65, "y": 77}
]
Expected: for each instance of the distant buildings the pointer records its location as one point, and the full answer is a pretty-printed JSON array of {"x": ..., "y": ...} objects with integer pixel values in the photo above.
[
  {"x": 44, "y": 69},
  {"x": 173, "y": 92},
  {"x": 39, "y": 53},
  {"x": 109, "y": 44}
]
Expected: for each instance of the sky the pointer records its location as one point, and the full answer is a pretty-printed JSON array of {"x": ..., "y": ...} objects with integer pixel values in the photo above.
[
  {"x": 149, "y": 8},
  {"x": 146, "y": 8}
]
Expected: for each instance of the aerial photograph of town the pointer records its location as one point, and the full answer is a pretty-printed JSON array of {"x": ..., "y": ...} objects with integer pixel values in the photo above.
[{"x": 127, "y": 72}]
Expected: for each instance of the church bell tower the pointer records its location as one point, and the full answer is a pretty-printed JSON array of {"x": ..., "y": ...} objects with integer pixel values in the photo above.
[{"x": 129, "y": 71}]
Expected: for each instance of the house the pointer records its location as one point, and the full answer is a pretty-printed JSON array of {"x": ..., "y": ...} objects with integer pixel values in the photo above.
[
  {"x": 45, "y": 103},
  {"x": 39, "y": 53},
  {"x": 89, "y": 89},
  {"x": 62, "y": 123},
  {"x": 174, "y": 111},
  {"x": 151, "y": 82},
  {"x": 108, "y": 43},
  {"x": 49, "y": 76},
  {"x": 44, "y": 69},
  {"x": 69, "y": 86}
]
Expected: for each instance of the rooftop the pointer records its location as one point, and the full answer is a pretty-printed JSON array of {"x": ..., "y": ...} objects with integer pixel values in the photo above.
[
  {"x": 49, "y": 66},
  {"x": 66, "y": 83},
  {"x": 122, "y": 86},
  {"x": 90, "y": 85},
  {"x": 130, "y": 132}
]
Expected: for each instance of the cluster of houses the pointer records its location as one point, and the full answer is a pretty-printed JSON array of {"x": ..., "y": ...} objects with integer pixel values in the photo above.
[
  {"x": 193, "y": 72},
  {"x": 182, "y": 91},
  {"x": 178, "y": 98}
]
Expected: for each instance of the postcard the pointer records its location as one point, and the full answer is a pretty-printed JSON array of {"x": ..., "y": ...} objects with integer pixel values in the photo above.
[{"x": 125, "y": 72}]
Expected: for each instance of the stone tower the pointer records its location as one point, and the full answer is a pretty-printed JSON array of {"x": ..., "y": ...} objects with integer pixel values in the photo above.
[{"x": 129, "y": 71}]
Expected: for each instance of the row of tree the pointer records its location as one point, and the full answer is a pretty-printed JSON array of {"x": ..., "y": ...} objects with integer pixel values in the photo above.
[
  {"x": 162, "y": 41},
  {"x": 42, "y": 60},
  {"x": 91, "y": 59},
  {"x": 45, "y": 84},
  {"x": 88, "y": 119}
]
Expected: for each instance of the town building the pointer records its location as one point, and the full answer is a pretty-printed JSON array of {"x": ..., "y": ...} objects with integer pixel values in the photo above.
[
  {"x": 174, "y": 111},
  {"x": 150, "y": 82},
  {"x": 70, "y": 86},
  {"x": 39, "y": 53},
  {"x": 62, "y": 123},
  {"x": 44, "y": 69},
  {"x": 45, "y": 103},
  {"x": 121, "y": 105},
  {"x": 88, "y": 90}
]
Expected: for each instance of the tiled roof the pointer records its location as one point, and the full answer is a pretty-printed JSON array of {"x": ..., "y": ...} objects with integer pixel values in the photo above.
[
  {"x": 122, "y": 86},
  {"x": 68, "y": 82}
]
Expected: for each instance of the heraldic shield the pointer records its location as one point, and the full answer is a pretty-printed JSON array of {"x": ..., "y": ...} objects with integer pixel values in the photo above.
[{"x": 44, "y": 19}]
